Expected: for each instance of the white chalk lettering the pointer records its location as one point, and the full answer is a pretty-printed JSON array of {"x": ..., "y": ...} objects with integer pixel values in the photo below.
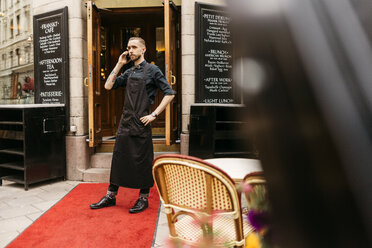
[{"x": 50, "y": 93}]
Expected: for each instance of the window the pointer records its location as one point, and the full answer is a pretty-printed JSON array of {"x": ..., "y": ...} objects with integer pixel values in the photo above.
[
  {"x": 11, "y": 58},
  {"x": 28, "y": 22},
  {"x": 3, "y": 60},
  {"x": 11, "y": 28},
  {"x": 18, "y": 24},
  {"x": 19, "y": 58},
  {"x": 160, "y": 48},
  {"x": 4, "y": 32}
]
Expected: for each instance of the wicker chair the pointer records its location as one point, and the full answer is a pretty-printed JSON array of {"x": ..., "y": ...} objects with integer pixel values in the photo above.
[
  {"x": 200, "y": 201},
  {"x": 258, "y": 183}
]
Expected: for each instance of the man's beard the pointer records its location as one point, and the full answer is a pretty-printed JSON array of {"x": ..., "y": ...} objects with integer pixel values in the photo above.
[{"x": 135, "y": 58}]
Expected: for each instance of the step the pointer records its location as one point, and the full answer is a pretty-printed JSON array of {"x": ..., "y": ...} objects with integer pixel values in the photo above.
[
  {"x": 162, "y": 147},
  {"x": 97, "y": 175},
  {"x": 100, "y": 164},
  {"x": 103, "y": 159},
  {"x": 159, "y": 146}
]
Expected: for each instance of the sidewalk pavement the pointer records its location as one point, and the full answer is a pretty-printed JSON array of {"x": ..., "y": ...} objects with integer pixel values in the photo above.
[{"x": 20, "y": 208}]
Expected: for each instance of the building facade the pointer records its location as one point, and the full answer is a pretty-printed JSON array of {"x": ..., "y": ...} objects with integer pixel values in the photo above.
[
  {"x": 16, "y": 52},
  {"x": 97, "y": 33}
]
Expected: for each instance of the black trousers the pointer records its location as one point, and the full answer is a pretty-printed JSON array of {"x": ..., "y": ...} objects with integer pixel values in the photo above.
[{"x": 143, "y": 192}]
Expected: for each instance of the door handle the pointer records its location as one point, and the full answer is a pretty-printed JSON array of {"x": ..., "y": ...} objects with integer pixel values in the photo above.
[
  {"x": 86, "y": 81},
  {"x": 173, "y": 79}
]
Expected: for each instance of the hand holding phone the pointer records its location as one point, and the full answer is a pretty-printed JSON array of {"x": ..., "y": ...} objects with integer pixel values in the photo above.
[{"x": 124, "y": 58}]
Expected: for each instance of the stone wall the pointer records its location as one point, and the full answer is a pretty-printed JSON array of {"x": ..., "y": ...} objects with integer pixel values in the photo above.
[
  {"x": 77, "y": 150},
  {"x": 188, "y": 63}
]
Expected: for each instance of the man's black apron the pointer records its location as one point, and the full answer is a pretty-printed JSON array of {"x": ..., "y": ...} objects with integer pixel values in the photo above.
[{"x": 133, "y": 152}]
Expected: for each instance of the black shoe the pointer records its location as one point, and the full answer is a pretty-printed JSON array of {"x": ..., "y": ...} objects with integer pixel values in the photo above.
[
  {"x": 104, "y": 202},
  {"x": 141, "y": 204}
]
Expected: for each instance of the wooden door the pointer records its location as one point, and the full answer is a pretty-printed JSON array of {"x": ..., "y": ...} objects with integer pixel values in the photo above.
[
  {"x": 170, "y": 32},
  {"x": 94, "y": 87}
]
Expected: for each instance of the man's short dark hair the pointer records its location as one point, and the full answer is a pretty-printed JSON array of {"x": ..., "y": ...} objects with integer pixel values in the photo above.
[{"x": 142, "y": 41}]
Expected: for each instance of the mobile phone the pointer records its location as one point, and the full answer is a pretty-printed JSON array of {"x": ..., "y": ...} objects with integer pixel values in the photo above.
[{"x": 127, "y": 57}]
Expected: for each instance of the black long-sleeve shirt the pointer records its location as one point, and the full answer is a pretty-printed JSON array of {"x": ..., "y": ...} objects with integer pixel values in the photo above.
[{"x": 154, "y": 80}]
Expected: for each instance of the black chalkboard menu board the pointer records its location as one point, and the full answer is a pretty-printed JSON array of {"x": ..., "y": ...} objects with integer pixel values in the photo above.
[
  {"x": 214, "y": 56},
  {"x": 51, "y": 68}
]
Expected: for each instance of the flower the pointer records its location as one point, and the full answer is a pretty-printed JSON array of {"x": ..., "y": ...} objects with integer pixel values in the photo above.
[
  {"x": 175, "y": 243},
  {"x": 259, "y": 219},
  {"x": 258, "y": 214},
  {"x": 209, "y": 239},
  {"x": 252, "y": 241},
  {"x": 244, "y": 188}
]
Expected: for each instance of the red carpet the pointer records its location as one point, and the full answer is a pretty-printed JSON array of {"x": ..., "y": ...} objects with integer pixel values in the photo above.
[{"x": 71, "y": 223}]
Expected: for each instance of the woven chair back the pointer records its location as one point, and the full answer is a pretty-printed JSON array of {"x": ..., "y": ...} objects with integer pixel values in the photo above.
[{"x": 189, "y": 183}]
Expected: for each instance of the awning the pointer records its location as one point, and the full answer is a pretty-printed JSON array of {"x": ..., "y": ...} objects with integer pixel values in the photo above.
[{"x": 107, "y": 4}]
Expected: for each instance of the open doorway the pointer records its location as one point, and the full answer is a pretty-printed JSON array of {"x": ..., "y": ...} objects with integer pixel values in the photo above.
[
  {"x": 116, "y": 29},
  {"x": 110, "y": 31}
]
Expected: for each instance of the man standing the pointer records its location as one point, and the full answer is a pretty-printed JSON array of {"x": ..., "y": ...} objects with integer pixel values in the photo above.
[{"x": 131, "y": 165}]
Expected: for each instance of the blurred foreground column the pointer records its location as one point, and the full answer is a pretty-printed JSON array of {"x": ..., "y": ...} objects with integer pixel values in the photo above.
[{"x": 306, "y": 71}]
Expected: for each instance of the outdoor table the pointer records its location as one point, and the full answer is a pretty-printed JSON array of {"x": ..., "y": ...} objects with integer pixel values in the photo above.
[{"x": 236, "y": 168}]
